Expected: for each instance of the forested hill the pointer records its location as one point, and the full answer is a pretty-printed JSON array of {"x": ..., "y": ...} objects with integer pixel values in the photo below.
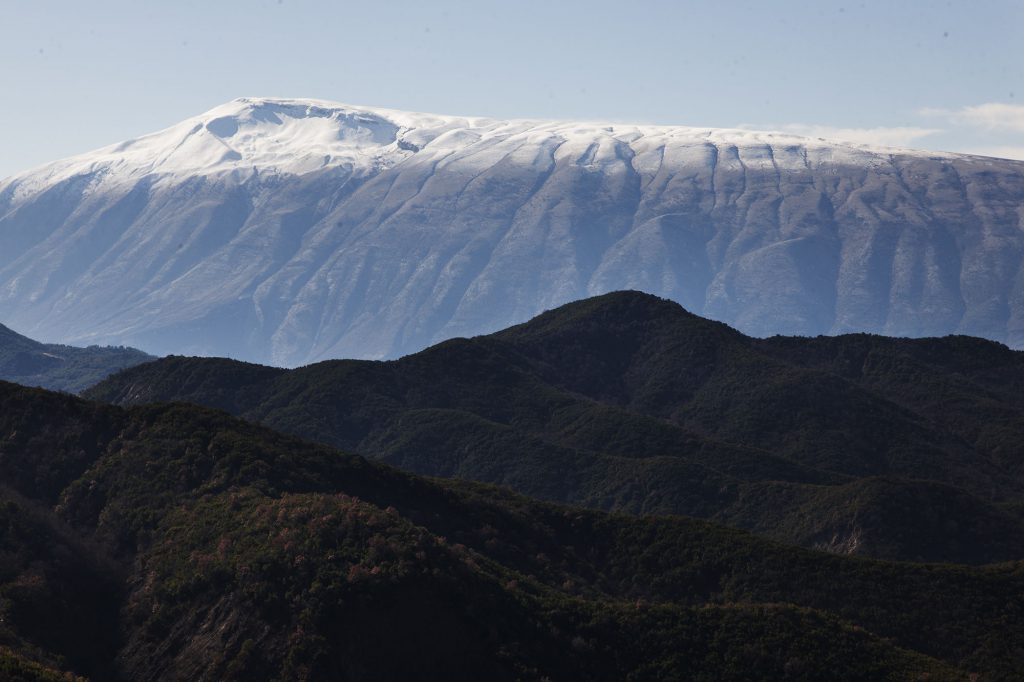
[
  {"x": 174, "y": 542},
  {"x": 893, "y": 448},
  {"x": 57, "y": 367}
]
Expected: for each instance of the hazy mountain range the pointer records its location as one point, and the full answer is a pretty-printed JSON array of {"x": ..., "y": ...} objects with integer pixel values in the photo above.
[
  {"x": 290, "y": 231},
  {"x": 58, "y": 367}
]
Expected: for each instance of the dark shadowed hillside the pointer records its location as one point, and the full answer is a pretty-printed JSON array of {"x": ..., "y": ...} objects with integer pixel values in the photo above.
[
  {"x": 892, "y": 448},
  {"x": 173, "y": 542},
  {"x": 60, "y": 368}
]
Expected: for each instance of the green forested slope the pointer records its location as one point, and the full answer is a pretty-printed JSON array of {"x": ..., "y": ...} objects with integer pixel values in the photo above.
[
  {"x": 892, "y": 448},
  {"x": 172, "y": 542}
]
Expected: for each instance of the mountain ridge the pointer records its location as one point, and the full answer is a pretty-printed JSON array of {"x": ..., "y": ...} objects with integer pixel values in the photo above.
[
  {"x": 58, "y": 367},
  {"x": 628, "y": 402},
  {"x": 223, "y": 123},
  {"x": 288, "y": 231}
]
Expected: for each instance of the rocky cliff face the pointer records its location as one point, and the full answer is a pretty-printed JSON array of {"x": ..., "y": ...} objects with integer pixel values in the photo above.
[{"x": 290, "y": 231}]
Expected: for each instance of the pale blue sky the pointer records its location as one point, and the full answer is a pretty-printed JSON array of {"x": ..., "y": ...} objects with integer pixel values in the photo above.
[{"x": 937, "y": 75}]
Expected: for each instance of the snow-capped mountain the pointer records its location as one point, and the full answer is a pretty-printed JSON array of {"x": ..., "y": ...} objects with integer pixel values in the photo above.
[{"x": 288, "y": 231}]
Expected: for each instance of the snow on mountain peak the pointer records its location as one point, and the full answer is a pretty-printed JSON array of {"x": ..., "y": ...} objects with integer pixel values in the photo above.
[
  {"x": 293, "y": 230},
  {"x": 297, "y": 136},
  {"x": 247, "y": 134}
]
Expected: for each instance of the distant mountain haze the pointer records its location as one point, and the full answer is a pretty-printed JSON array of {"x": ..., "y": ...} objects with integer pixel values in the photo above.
[
  {"x": 290, "y": 231},
  {"x": 60, "y": 368}
]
